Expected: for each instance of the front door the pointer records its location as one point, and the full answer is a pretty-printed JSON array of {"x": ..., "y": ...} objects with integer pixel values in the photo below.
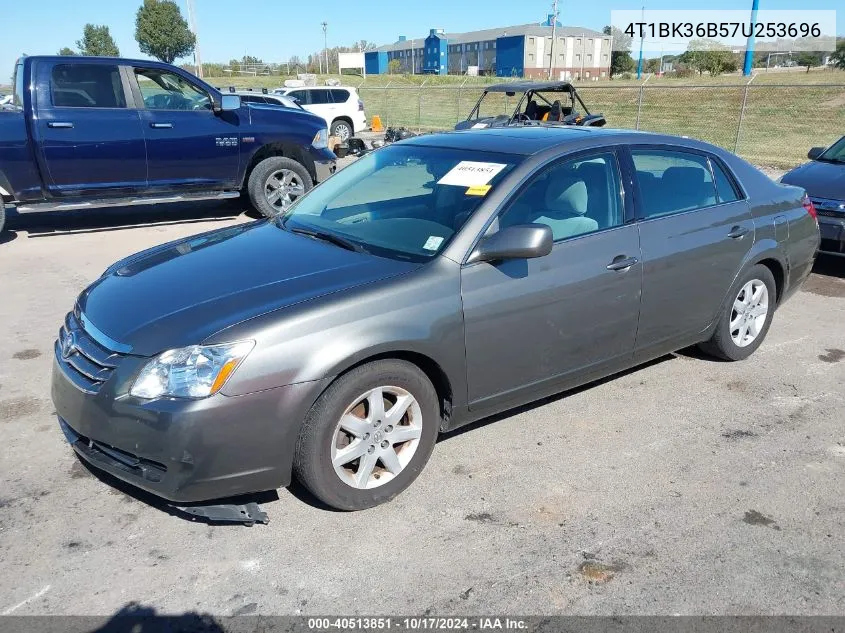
[
  {"x": 90, "y": 142},
  {"x": 533, "y": 324},
  {"x": 695, "y": 231},
  {"x": 188, "y": 145}
]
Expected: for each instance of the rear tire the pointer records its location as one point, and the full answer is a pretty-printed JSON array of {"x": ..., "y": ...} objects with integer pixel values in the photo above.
[
  {"x": 369, "y": 435},
  {"x": 342, "y": 129},
  {"x": 746, "y": 316},
  {"x": 275, "y": 183}
]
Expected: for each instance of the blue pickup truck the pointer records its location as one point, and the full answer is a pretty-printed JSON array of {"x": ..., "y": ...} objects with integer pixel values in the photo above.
[{"x": 86, "y": 132}]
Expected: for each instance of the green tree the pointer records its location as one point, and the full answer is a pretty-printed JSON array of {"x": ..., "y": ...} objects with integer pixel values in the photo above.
[
  {"x": 394, "y": 67},
  {"x": 838, "y": 56},
  {"x": 96, "y": 40},
  {"x": 162, "y": 32},
  {"x": 65, "y": 51},
  {"x": 808, "y": 60},
  {"x": 620, "y": 55}
]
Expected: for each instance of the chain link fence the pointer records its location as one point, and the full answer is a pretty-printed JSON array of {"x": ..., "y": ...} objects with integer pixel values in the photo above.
[{"x": 767, "y": 124}]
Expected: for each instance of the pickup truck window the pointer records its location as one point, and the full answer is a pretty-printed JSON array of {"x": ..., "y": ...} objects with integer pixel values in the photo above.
[
  {"x": 87, "y": 86},
  {"x": 18, "y": 96},
  {"x": 162, "y": 90}
]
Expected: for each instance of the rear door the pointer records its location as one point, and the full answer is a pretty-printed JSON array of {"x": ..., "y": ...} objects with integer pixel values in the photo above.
[
  {"x": 695, "y": 230},
  {"x": 531, "y": 324},
  {"x": 320, "y": 103},
  {"x": 91, "y": 141},
  {"x": 189, "y": 146}
]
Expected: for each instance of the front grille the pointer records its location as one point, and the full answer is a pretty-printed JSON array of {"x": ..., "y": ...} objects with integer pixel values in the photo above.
[
  {"x": 829, "y": 208},
  {"x": 86, "y": 361}
]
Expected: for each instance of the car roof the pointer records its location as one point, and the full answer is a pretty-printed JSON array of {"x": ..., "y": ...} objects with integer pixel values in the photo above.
[
  {"x": 528, "y": 140},
  {"x": 525, "y": 86}
]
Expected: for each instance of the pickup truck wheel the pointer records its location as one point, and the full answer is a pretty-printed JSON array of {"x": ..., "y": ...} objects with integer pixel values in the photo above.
[
  {"x": 369, "y": 435},
  {"x": 276, "y": 183},
  {"x": 341, "y": 129}
]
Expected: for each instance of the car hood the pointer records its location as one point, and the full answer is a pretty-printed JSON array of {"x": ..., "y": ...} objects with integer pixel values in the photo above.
[
  {"x": 820, "y": 179},
  {"x": 183, "y": 292}
]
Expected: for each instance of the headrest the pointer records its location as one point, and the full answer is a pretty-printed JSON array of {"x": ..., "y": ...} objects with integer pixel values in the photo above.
[{"x": 567, "y": 194}]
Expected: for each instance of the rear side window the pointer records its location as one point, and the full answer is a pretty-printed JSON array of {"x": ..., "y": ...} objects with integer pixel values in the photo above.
[
  {"x": 724, "y": 187},
  {"x": 87, "y": 86},
  {"x": 672, "y": 182},
  {"x": 320, "y": 97},
  {"x": 339, "y": 96}
]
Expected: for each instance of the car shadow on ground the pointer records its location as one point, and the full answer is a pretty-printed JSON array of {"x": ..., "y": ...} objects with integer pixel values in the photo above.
[
  {"x": 137, "y": 618},
  {"x": 51, "y": 224},
  {"x": 829, "y": 266}
]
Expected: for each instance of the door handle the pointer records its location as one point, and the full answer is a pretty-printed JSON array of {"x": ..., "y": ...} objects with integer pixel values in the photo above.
[
  {"x": 622, "y": 263},
  {"x": 161, "y": 126},
  {"x": 737, "y": 232},
  {"x": 60, "y": 124}
]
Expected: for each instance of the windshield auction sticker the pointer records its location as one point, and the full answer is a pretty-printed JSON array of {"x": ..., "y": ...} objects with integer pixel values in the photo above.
[
  {"x": 470, "y": 173},
  {"x": 668, "y": 30}
]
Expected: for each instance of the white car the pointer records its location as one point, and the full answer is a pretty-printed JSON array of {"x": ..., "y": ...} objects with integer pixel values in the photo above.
[
  {"x": 263, "y": 98},
  {"x": 340, "y": 106}
]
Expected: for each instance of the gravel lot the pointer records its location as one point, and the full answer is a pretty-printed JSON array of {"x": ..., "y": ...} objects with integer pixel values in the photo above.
[{"x": 686, "y": 486}]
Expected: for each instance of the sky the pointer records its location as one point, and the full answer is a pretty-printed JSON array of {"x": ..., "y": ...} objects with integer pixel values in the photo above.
[{"x": 274, "y": 30}]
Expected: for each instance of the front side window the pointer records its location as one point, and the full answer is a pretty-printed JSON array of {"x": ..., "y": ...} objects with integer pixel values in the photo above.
[
  {"x": 17, "y": 98},
  {"x": 402, "y": 202},
  {"x": 672, "y": 182},
  {"x": 301, "y": 96},
  {"x": 573, "y": 198},
  {"x": 86, "y": 86},
  {"x": 163, "y": 90},
  {"x": 835, "y": 153}
]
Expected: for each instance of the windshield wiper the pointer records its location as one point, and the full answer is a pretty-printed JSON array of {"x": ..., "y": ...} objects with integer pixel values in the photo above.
[
  {"x": 825, "y": 159},
  {"x": 329, "y": 237}
]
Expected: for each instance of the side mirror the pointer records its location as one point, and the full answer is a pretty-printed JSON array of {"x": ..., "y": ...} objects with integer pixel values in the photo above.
[
  {"x": 230, "y": 102},
  {"x": 815, "y": 152},
  {"x": 523, "y": 241}
]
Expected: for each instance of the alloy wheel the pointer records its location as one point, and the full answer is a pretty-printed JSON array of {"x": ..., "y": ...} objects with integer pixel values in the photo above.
[
  {"x": 749, "y": 313},
  {"x": 376, "y": 437},
  {"x": 282, "y": 188},
  {"x": 342, "y": 131}
]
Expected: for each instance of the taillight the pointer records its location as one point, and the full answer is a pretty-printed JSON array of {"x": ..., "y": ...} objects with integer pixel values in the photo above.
[
  {"x": 360, "y": 106},
  {"x": 809, "y": 208}
]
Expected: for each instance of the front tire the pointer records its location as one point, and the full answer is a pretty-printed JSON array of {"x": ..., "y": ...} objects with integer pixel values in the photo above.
[
  {"x": 746, "y": 317},
  {"x": 369, "y": 435},
  {"x": 276, "y": 183}
]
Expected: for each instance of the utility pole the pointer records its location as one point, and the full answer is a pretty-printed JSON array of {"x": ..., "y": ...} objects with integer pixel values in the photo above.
[
  {"x": 325, "y": 45},
  {"x": 642, "y": 41},
  {"x": 193, "y": 22},
  {"x": 749, "y": 49},
  {"x": 554, "y": 26}
]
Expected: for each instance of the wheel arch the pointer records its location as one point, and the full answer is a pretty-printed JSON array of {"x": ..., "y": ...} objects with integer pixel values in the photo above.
[
  {"x": 285, "y": 150},
  {"x": 433, "y": 370},
  {"x": 346, "y": 119}
]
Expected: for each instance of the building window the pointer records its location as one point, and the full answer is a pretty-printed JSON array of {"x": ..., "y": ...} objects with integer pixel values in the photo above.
[
  {"x": 587, "y": 74},
  {"x": 590, "y": 57},
  {"x": 578, "y": 42},
  {"x": 603, "y": 74},
  {"x": 494, "y": 45},
  {"x": 531, "y": 41},
  {"x": 530, "y": 57},
  {"x": 605, "y": 57},
  {"x": 590, "y": 42},
  {"x": 578, "y": 57}
]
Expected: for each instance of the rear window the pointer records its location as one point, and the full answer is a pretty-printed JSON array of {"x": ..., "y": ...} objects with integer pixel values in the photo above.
[
  {"x": 87, "y": 86},
  {"x": 319, "y": 97},
  {"x": 340, "y": 96},
  {"x": 672, "y": 182}
]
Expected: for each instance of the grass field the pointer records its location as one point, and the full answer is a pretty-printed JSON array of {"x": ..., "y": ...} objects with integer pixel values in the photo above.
[{"x": 785, "y": 113}]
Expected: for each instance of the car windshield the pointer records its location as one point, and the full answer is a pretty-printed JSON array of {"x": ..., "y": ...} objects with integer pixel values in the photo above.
[
  {"x": 535, "y": 106},
  {"x": 402, "y": 201},
  {"x": 835, "y": 153}
]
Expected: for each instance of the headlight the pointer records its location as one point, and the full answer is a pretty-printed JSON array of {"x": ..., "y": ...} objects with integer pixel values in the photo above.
[
  {"x": 190, "y": 372},
  {"x": 321, "y": 139}
]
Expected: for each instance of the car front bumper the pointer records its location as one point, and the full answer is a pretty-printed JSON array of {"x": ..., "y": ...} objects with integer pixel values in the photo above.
[
  {"x": 182, "y": 450},
  {"x": 325, "y": 163},
  {"x": 832, "y": 230}
]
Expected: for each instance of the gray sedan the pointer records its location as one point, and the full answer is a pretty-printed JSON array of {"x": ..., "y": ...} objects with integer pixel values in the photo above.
[{"x": 432, "y": 283}]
